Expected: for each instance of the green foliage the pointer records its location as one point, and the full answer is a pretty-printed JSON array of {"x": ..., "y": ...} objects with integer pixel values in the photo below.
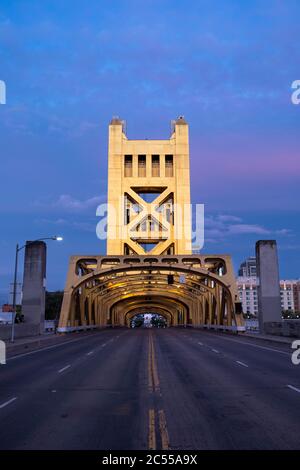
[
  {"x": 53, "y": 304},
  {"x": 158, "y": 321},
  {"x": 290, "y": 314}
]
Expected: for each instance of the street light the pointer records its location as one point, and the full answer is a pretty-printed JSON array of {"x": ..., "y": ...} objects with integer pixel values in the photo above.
[{"x": 55, "y": 238}]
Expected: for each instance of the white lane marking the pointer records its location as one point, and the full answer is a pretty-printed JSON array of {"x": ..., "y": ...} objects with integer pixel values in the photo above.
[
  {"x": 201, "y": 344},
  {"x": 215, "y": 351},
  {"x": 294, "y": 388},
  {"x": 241, "y": 363},
  {"x": 103, "y": 345},
  {"x": 51, "y": 347},
  {"x": 247, "y": 343},
  {"x": 53, "y": 391},
  {"x": 8, "y": 402},
  {"x": 64, "y": 368},
  {"x": 89, "y": 353}
]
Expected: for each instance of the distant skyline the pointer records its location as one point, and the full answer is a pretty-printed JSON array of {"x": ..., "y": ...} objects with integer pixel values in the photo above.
[{"x": 227, "y": 67}]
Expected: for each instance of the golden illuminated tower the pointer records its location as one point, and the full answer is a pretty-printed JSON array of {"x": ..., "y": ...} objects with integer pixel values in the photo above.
[
  {"x": 148, "y": 193},
  {"x": 149, "y": 266}
]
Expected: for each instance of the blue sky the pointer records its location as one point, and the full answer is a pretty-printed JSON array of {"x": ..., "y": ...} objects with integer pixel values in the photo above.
[{"x": 227, "y": 66}]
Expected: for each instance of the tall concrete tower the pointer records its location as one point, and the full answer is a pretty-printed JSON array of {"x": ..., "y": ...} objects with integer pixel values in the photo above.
[{"x": 148, "y": 193}]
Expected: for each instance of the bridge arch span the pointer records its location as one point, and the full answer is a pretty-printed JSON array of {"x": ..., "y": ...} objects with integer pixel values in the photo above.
[{"x": 100, "y": 294}]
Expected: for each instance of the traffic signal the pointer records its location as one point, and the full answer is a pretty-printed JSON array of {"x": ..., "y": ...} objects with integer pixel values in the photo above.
[{"x": 170, "y": 279}]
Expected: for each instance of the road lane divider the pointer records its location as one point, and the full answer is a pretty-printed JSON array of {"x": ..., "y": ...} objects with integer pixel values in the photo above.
[
  {"x": 54, "y": 346},
  {"x": 158, "y": 432},
  {"x": 242, "y": 363},
  {"x": 152, "y": 437},
  {"x": 248, "y": 343},
  {"x": 153, "y": 379},
  {"x": 8, "y": 402},
  {"x": 294, "y": 388},
  {"x": 64, "y": 368},
  {"x": 150, "y": 377},
  {"x": 163, "y": 430}
]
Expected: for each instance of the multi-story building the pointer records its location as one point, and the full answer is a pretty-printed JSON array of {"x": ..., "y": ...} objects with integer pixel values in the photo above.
[
  {"x": 288, "y": 289},
  {"x": 296, "y": 292},
  {"x": 247, "y": 288},
  {"x": 248, "y": 267},
  {"x": 289, "y": 294}
]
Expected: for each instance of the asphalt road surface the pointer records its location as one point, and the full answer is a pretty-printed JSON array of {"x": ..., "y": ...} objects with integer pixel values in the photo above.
[{"x": 152, "y": 389}]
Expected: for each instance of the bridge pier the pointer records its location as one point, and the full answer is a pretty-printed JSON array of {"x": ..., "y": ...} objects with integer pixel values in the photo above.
[
  {"x": 34, "y": 289},
  {"x": 269, "y": 305}
]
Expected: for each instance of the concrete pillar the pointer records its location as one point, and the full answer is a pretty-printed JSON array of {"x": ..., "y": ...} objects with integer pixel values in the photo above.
[
  {"x": 269, "y": 305},
  {"x": 33, "y": 301}
]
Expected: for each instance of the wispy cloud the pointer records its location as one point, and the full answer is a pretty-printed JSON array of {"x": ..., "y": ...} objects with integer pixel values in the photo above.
[
  {"x": 66, "y": 203},
  {"x": 229, "y": 218},
  {"x": 80, "y": 225},
  {"x": 247, "y": 228},
  {"x": 226, "y": 225},
  {"x": 69, "y": 203}
]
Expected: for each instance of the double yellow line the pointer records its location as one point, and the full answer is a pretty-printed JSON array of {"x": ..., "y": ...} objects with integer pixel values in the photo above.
[
  {"x": 162, "y": 424},
  {"x": 153, "y": 379},
  {"x": 154, "y": 386}
]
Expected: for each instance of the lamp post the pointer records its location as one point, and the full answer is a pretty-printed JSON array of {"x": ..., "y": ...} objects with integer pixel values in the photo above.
[{"x": 56, "y": 238}]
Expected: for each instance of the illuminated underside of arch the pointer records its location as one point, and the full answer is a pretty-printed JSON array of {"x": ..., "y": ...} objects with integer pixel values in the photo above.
[{"x": 189, "y": 290}]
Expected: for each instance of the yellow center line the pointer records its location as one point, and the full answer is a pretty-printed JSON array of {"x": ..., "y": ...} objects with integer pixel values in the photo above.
[
  {"x": 152, "y": 438},
  {"x": 165, "y": 443},
  {"x": 154, "y": 368},
  {"x": 154, "y": 386},
  {"x": 150, "y": 376}
]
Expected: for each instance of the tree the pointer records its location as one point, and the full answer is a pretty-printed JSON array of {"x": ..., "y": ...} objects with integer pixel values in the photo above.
[{"x": 53, "y": 304}]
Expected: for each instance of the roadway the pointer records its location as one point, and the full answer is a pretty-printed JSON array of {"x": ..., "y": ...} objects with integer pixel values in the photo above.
[{"x": 152, "y": 389}]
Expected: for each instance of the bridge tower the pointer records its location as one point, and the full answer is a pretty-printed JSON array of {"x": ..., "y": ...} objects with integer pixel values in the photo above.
[
  {"x": 148, "y": 193},
  {"x": 149, "y": 265}
]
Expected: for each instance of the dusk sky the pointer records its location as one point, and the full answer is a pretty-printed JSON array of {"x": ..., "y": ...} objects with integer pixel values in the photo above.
[{"x": 226, "y": 66}]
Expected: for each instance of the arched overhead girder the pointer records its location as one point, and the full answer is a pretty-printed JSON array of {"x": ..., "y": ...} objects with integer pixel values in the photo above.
[
  {"x": 119, "y": 284},
  {"x": 193, "y": 282},
  {"x": 108, "y": 275},
  {"x": 172, "y": 301},
  {"x": 171, "y": 304},
  {"x": 157, "y": 293},
  {"x": 104, "y": 287},
  {"x": 148, "y": 309}
]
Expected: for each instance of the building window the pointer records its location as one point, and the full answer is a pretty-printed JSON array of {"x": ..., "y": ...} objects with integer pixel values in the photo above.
[
  {"x": 155, "y": 166},
  {"x": 169, "y": 166},
  {"x": 142, "y": 166},
  {"x": 128, "y": 165}
]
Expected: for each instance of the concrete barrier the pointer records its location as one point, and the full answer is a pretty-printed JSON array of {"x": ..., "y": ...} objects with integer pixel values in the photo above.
[
  {"x": 289, "y": 328},
  {"x": 22, "y": 330},
  {"x": 224, "y": 328}
]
